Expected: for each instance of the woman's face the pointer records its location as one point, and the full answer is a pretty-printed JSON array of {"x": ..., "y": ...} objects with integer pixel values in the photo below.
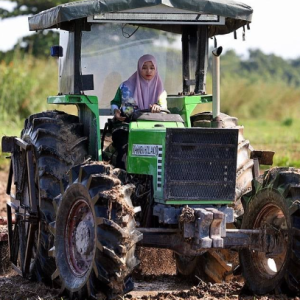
[{"x": 148, "y": 70}]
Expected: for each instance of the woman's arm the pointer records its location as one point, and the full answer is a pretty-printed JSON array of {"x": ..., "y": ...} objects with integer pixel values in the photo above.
[
  {"x": 162, "y": 100},
  {"x": 161, "y": 103},
  {"x": 117, "y": 101},
  {"x": 116, "y": 104}
]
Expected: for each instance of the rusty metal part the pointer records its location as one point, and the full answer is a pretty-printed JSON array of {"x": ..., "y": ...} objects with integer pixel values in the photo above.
[
  {"x": 80, "y": 238},
  {"x": 208, "y": 231},
  {"x": 264, "y": 157},
  {"x": 22, "y": 170},
  {"x": 219, "y": 266},
  {"x": 209, "y": 227},
  {"x": 257, "y": 239}
]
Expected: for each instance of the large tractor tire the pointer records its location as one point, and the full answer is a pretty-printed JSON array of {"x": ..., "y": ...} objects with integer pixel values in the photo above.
[
  {"x": 219, "y": 265},
  {"x": 95, "y": 235},
  {"x": 58, "y": 142},
  {"x": 274, "y": 203}
]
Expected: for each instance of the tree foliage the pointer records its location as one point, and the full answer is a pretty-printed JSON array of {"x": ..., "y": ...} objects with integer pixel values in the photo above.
[
  {"x": 260, "y": 66},
  {"x": 38, "y": 44},
  {"x": 29, "y": 7}
]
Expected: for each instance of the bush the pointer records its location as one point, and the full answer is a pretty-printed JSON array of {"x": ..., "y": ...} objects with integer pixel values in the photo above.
[
  {"x": 25, "y": 84},
  {"x": 287, "y": 122}
]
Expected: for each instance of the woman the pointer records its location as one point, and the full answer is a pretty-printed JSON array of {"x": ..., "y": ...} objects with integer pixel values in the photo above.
[{"x": 142, "y": 90}]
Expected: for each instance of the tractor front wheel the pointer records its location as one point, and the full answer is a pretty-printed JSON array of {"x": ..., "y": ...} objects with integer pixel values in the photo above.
[
  {"x": 95, "y": 234},
  {"x": 274, "y": 205}
]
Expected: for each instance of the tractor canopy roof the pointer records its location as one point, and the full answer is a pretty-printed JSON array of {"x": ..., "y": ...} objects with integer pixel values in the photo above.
[{"x": 234, "y": 14}]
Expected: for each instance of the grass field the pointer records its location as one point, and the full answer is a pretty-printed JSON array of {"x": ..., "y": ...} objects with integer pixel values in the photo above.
[
  {"x": 280, "y": 136},
  {"x": 283, "y": 137}
]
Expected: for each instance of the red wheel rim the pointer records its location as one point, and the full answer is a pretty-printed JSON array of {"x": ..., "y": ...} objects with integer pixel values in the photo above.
[{"x": 79, "y": 238}]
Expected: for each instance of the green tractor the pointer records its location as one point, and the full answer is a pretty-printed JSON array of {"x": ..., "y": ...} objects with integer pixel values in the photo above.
[{"x": 192, "y": 182}]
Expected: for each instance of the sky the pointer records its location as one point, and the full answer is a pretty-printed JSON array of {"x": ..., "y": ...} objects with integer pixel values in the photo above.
[{"x": 274, "y": 29}]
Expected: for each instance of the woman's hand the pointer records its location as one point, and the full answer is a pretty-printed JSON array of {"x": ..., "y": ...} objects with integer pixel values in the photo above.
[
  {"x": 117, "y": 114},
  {"x": 155, "y": 108}
]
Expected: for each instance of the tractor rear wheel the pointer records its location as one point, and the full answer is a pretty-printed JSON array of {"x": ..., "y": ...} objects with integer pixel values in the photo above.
[
  {"x": 95, "y": 235},
  {"x": 273, "y": 203},
  {"x": 49, "y": 133}
]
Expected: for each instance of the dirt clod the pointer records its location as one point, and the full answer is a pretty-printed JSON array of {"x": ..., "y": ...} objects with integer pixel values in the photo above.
[{"x": 155, "y": 262}]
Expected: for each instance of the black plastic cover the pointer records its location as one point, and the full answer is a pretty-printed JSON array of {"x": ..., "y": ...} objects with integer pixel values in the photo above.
[{"x": 237, "y": 14}]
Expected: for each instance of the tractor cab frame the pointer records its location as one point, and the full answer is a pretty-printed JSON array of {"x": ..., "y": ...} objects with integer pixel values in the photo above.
[{"x": 193, "y": 23}]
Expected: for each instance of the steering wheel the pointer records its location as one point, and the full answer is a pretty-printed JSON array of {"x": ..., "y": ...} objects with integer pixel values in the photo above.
[{"x": 148, "y": 110}]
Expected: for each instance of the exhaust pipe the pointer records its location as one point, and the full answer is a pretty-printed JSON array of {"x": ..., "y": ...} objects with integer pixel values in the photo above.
[{"x": 216, "y": 80}]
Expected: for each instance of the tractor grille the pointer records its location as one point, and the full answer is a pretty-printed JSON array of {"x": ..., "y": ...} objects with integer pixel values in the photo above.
[{"x": 200, "y": 164}]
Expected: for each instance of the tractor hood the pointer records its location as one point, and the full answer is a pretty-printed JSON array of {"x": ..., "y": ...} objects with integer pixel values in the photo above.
[{"x": 236, "y": 14}]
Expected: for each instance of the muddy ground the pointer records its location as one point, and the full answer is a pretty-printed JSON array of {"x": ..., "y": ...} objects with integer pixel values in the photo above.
[{"x": 154, "y": 280}]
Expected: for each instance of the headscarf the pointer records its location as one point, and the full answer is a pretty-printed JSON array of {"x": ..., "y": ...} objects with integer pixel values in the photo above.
[{"x": 146, "y": 92}]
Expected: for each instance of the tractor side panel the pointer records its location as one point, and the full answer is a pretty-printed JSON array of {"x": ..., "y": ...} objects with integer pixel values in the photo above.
[
  {"x": 146, "y": 151},
  {"x": 186, "y": 106}
]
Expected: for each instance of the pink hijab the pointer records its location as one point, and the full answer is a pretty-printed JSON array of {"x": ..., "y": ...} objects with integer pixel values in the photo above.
[{"x": 146, "y": 92}]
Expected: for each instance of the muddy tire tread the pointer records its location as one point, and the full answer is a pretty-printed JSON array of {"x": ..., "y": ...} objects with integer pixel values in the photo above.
[
  {"x": 114, "y": 258},
  {"x": 285, "y": 183},
  {"x": 45, "y": 130}
]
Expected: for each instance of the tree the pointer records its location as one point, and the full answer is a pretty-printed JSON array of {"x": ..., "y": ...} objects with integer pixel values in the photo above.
[
  {"x": 29, "y": 7},
  {"x": 38, "y": 44}
]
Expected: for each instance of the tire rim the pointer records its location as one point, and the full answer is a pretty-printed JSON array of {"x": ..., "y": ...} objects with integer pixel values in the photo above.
[
  {"x": 271, "y": 216},
  {"x": 80, "y": 238},
  {"x": 36, "y": 241}
]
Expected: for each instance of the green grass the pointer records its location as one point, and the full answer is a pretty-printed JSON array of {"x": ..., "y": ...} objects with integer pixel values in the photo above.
[
  {"x": 25, "y": 84},
  {"x": 14, "y": 127},
  {"x": 279, "y": 136},
  {"x": 259, "y": 100}
]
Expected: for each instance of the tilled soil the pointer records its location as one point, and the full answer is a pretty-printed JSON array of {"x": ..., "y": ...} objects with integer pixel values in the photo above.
[
  {"x": 151, "y": 283},
  {"x": 169, "y": 287},
  {"x": 155, "y": 279}
]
